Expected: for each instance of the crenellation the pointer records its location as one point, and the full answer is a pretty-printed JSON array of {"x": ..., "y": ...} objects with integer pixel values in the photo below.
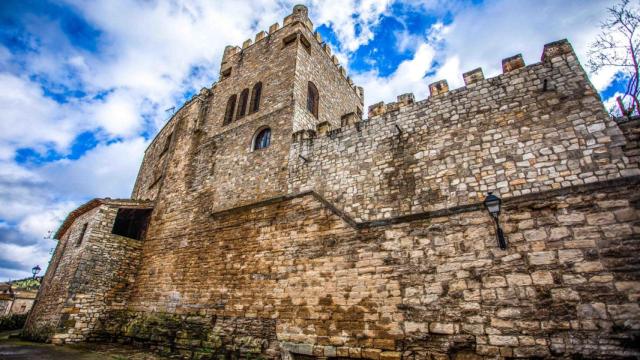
[
  {"x": 512, "y": 63},
  {"x": 273, "y": 28},
  {"x": 555, "y": 49},
  {"x": 301, "y": 135},
  {"x": 322, "y": 128},
  {"x": 438, "y": 88},
  {"x": 327, "y": 48},
  {"x": 300, "y": 14},
  {"x": 259, "y": 36},
  {"x": 349, "y": 119},
  {"x": 473, "y": 76},
  {"x": 376, "y": 109},
  {"x": 246, "y": 44},
  {"x": 406, "y": 99}
]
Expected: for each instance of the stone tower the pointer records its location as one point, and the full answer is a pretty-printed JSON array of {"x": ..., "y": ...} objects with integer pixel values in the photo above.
[{"x": 285, "y": 81}]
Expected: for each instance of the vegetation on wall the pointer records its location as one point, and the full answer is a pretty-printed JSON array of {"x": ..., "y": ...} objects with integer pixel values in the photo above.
[{"x": 12, "y": 322}]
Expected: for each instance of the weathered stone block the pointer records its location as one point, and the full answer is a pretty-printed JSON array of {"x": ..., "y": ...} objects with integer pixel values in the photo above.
[{"x": 542, "y": 257}]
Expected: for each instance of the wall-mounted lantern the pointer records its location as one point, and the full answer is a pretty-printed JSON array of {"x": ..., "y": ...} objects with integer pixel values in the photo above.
[
  {"x": 492, "y": 203},
  {"x": 35, "y": 270}
]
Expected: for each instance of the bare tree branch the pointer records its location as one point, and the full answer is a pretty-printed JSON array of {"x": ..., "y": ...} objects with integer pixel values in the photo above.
[{"x": 617, "y": 46}]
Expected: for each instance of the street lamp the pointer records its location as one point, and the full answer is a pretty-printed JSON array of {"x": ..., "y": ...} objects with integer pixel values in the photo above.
[
  {"x": 35, "y": 270},
  {"x": 492, "y": 203}
]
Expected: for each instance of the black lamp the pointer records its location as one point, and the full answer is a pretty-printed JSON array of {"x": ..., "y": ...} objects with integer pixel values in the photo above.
[
  {"x": 35, "y": 270},
  {"x": 492, "y": 203}
]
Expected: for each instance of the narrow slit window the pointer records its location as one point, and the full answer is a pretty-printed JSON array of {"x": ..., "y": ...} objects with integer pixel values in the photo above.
[
  {"x": 313, "y": 99},
  {"x": 131, "y": 223},
  {"x": 242, "y": 104},
  {"x": 167, "y": 144},
  {"x": 256, "y": 93},
  {"x": 231, "y": 106},
  {"x": 82, "y": 233},
  {"x": 263, "y": 139}
]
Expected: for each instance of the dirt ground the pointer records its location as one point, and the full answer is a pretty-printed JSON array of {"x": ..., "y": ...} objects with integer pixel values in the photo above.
[{"x": 16, "y": 349}]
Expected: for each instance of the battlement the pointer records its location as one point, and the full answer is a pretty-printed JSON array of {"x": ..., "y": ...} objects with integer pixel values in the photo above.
[
  {"x": 472, "y": 79},
  {"x": 550, "y": 51},
  {"x": 233, "y": 54},
  {"x": 520, "y": 132}
]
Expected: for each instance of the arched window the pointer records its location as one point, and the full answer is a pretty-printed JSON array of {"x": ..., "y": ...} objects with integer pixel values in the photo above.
[
  {"x": 242, "y": 105},
  {"x": 262, "y": 140},
  {"x": 313, "y": 99},
  {"x": 255, "y": 98},
  {"x": 228, "y": 113}
]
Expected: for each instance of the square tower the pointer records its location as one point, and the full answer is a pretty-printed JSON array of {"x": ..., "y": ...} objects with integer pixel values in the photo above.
[{"x": 230, "y": 145}]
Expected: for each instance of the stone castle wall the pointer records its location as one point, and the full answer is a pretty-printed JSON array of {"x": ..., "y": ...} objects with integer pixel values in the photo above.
[
  {"x": 350, "y": 238},
  {"x": 532, "y": 129},
  {"x": 293, "y": 276}
]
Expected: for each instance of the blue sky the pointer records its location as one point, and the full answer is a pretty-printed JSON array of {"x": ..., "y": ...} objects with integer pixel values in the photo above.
[{"x": 84, "y": 85}]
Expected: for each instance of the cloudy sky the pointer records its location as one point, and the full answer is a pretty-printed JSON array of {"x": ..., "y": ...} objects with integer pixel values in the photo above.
[{"x": 84, "y": 85}]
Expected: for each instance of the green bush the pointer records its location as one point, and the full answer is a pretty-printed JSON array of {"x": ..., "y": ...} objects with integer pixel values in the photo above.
[{"x": 12, "y": 322}]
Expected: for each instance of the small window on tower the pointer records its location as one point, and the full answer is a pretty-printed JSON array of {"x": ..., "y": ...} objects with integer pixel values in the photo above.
[
  {"x": 256, "y": 93},
  {"x": 167, "y": 144},
  {"x": 82, "y": 232},
  {"x": 228, "y": 113},
  {"x": 242, "y": 105},
  {"x": 290, "y": 39},
  {"x": 313, "y": 99},
  {"x": 131, "y": 223},
  {"x": 262, "y": 139}
]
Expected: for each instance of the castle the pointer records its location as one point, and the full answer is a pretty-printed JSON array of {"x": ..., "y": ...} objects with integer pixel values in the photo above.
[{"x": 269, "y": 219}]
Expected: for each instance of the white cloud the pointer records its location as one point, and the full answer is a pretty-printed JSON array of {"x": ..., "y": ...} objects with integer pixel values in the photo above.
[
  {"x": 409, "y": 77},
  {"x": 481, "y": 36},
  {"x": 118, "y": 114},
  {"x": 29, "y": 119},
  {"x": 105, "y": 171},
  {"x": 484, "y": 35},
  {"x": 352, "y": 20}
]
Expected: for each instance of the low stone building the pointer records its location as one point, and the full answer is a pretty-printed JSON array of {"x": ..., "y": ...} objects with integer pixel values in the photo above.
[
  {"x": 15, "y": 301},
  {"x": 270, "y": 219}
]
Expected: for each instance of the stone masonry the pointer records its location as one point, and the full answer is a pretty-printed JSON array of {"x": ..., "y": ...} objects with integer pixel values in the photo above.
[{"x": 346, "y": 237}]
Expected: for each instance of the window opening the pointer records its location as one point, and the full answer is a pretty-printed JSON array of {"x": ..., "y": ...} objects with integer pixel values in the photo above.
[
  {"x": 228, "y": 114},
  {"x": 313, "y": 99},
  {"x": 263, "y": 139},
  {"x": 242, "y": 105},
  {"x": 131, "y": 223},
  {"x": 81, "y": 237},
  {"x": 255, "y": 97}
]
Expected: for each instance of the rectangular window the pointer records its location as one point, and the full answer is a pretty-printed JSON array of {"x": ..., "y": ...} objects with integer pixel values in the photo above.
[
  {"x": 290, "y": 39},
  {"x": 131, "y": 223},
  {"x": 81, "y": 237}
]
